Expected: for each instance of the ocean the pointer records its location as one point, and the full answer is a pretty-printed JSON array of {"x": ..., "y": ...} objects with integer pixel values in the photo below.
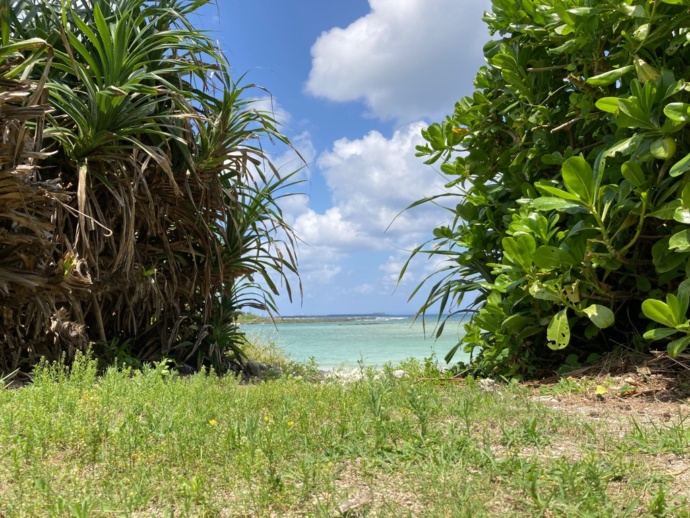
[{"x": 345, "y": 340}]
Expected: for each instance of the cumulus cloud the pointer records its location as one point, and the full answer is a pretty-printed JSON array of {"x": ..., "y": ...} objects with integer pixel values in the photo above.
[
  {"x": 374, "y": 178},
  {"x": 407, "y": 59},
  {"x": 371, "y": 180}
]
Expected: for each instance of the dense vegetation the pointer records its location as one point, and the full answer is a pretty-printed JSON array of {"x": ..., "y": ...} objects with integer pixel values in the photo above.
[
  {"x": 139, "y": 208},
  {"x": 567, "y": 172}
]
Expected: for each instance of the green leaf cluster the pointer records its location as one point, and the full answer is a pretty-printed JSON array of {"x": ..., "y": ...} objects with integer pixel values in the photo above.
[{"x": 567, "y": 182}]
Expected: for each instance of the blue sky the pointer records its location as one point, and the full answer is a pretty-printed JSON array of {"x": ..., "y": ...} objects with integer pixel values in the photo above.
[{"x": 354, "y": 82}]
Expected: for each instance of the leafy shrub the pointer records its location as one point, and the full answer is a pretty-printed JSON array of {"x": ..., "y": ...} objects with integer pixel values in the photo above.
[{"x": 567, "y": 173}]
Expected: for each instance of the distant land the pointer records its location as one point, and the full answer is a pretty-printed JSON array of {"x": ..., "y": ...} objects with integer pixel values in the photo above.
[{"x": 250, "y": 318}]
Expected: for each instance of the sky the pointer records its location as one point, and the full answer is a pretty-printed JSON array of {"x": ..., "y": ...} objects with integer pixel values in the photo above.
[{"x": 353, "y": 82}]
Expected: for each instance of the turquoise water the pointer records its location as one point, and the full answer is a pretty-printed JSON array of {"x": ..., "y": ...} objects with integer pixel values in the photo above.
[{"x": 373, "y": 340}]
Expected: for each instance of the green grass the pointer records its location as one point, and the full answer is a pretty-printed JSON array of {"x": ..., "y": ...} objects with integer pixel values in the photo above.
[{"x": 154, "y": 444}]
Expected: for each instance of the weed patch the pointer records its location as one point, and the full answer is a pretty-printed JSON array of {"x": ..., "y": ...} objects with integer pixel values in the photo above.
[{"x": 151, "y": 443}]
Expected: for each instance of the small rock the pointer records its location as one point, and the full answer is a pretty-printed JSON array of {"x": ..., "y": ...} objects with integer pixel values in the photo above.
[
  {"x": 254, "y": 369},
  {"x": 487, "y": 385},
  {"x": 545, "y": 399},
  {"x": 354, "y": 503}
]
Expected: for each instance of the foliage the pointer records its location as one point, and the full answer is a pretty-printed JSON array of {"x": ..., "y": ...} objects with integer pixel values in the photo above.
[
  {"x": 171, "y": 218},
  {"x": 31, "y": 283},
  {"x": 567, "y": 173}
]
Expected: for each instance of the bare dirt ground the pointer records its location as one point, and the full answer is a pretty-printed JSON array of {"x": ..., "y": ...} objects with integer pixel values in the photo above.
[{"x": 649, "y": 388}]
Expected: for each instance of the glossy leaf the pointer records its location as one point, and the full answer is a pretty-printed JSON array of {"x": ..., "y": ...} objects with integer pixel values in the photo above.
[
  {"x": 677, "y": 111},
  {"x": 663, "y": 148},
  {"x": 558, "y": 331},
  {"x": 678, "y": 346},
  {"x": 579, "y": 179},
  {"x": 659, "y": 333},
  {"x": 551, "y": 257},
  {"x": 601, "y": 316},
  {"x": 609, "y": 77},
  {"x": 552, "y": 203},
  {"x": 520, "y": 250},
  {"x": 658, "y": 311},
  {"x": 541, "y": 292},
  {"x": 680, "y": 241},
  {"x": 632, "y": 172},
  {"x": 682, "y": 215},
  {"x": 681, "y": 166},
  {"x": 608, "y": 104}
]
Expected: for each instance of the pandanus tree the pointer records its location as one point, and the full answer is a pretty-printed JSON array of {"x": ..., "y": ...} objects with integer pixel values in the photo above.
[{"x": 172, "y": 214}]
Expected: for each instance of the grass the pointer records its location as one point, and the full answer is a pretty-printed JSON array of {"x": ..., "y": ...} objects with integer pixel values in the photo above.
[{"x": 151, "y": 443}]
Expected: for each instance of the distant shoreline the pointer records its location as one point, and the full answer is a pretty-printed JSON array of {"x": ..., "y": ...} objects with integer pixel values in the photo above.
[{"x": 254, "y": 319}]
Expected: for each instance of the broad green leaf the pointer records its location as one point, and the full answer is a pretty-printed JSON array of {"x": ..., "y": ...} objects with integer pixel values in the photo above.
[
  {"x": 663, "y": 148},
  {"x": 678, "y": 346},
  {"x": 645, "y": 71},
  {"x": 632, "y": 115},
  {"x": 658, "y": 311},
  {"x": 608, "y": 105},
  {"x": 573, "y": 293},
  {"x": 682, "y": 215},
  {"x": 579, "y": 179},
  {"x": 665, "y": 259},
  {"x": 666, "y": 211},
  {"x": 677, "y": 111},
  {"x": 516, "y": 323},
  {"x": 520, "y": 249},
  {"x": 544, "y": 187},
  {"x": 609, "y": 77},
  {"x": 674, "y": 305},
  {"x": 549, "y": 203},
  {"x": 551, "y": 257},
  {"x": 643, "y": 284},
  {"x": 558, "y": 331},
  {"x": 632, "y": 172},
  {"x": 541, "y": 292},
  {"x": 625, "y": 146},
  {"x": 681, "y": 166},
  {"x": 601, "y": 316},
  {"x": 659, "y": 333},
  {"x": 680, "y": 241},
  {"x": 641, "y": 32},
  {"x": 634, "y": 11}
]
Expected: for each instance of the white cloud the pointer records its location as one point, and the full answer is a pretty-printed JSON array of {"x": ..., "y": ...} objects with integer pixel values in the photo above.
[
  {"x": 407, "y": 59},
  {"x": 322, "y": 275},
  {"x": 331, "y": 229},
  {"x": 371, "y": 180},
  {"x": 363, "y": 289},
  {"x": 391, "y": 270}
]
